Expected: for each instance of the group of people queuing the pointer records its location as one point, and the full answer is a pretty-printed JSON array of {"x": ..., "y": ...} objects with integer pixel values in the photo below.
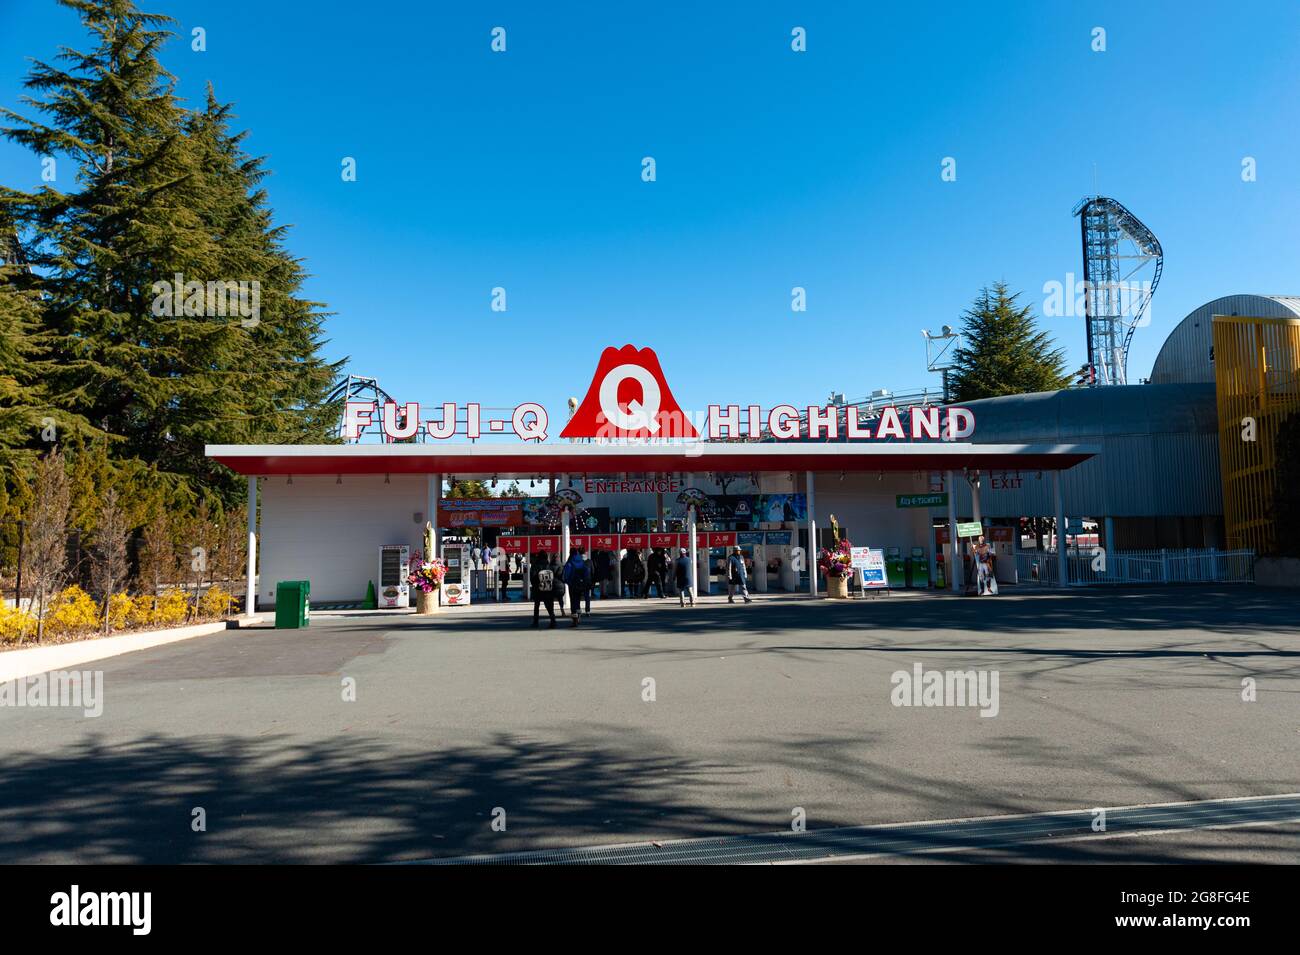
[{"x": 552, "y": 583}]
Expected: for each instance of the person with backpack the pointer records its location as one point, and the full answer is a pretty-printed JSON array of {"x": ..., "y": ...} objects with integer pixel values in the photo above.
[
  {"x": 633, "y": 572},
  {"x": 737, "y": 577},
  {"x": 682, "y": 574},
  {"x": 577, "y": 577},
  {"x": 541, "y": 578}
]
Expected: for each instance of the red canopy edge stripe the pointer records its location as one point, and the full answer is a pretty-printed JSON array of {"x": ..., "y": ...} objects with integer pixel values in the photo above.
[{"x": 505, "y": 463}]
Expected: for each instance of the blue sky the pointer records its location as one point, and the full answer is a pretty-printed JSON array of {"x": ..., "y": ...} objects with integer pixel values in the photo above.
[{"x": 775, "y": 169}]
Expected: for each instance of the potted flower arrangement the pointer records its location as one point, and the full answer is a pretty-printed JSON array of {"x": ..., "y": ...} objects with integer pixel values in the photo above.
[
  {"x": 836, "y": 564},
  {"x": 426, "y": 577}
]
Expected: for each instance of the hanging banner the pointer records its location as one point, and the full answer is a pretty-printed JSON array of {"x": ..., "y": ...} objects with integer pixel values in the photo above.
[
  {"x": 513, "y": 545},
  {"x": 481, "y": 512},
  {"x": 663, "y": 540},
  {"x": 603, "y": 542},
  {"x": 638, "y": 541},
  {"x": 722, "y": 538}
]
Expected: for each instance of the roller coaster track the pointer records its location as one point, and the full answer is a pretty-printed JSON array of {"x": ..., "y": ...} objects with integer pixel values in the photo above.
[{"x": 1117, "y": 246}]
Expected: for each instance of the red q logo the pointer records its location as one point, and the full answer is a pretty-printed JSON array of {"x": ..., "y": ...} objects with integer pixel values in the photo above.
[{"x": 629, "y": 398}]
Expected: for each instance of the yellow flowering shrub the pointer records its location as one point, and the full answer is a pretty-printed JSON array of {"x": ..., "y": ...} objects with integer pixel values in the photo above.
[
  {"x": 172, "y": 608},
  {"x": 214, "y": 603},
  {"x": 72, "y": 611},
  {"x": 15, "y": 624},
  {"x": 119, "y": 610},
  {"x": 141, "y": 612}
]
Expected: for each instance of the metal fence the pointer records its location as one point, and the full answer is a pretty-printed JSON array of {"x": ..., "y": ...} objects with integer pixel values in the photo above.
[{"x": 1190, "y": 565}]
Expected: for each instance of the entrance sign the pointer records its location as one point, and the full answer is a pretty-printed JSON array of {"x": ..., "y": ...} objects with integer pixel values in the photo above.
[
  {"x": 631, "y": 487},
  {"x": 923, "y": 500},
  {"x": 970, "y": 529}
]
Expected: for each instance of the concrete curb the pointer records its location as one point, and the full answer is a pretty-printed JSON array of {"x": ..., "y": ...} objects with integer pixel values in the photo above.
[{"x": 15, "y": 664}]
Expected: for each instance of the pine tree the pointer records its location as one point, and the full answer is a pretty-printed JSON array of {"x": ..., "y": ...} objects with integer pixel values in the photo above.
[
  {"x": 1003, "y": 352},
  {"x": 141, "y": 262}
]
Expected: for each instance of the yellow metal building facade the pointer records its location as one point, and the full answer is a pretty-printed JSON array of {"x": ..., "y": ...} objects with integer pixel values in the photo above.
[{"x": 1257, "y": 385}]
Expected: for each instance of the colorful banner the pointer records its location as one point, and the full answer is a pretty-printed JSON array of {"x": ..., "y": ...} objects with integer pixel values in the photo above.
[{"x": 481, "y": 512}]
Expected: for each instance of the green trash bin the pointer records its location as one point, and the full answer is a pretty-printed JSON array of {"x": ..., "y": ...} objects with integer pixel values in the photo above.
[
  {"x": 292, "y": 604},
  {"x": 895, "y": 568}
]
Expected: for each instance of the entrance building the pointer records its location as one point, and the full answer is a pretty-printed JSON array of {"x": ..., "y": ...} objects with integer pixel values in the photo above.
[{"x": 327, "y": 510}]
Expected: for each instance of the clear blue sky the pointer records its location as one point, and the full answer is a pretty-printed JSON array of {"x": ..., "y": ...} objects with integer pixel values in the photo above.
[{"x": 775, "y": 169}]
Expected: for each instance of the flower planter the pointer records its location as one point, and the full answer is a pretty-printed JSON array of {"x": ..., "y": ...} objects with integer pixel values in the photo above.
[
  {"x": 837, "y": 588},
  {"x": 426, "y": 604}
]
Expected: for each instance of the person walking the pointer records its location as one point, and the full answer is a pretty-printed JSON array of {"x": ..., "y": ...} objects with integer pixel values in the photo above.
[
  {"x": 503, "y": 573},
  {"x": 682, "y": 576},
  {"x": 985, "y": 582},
  {"x": 657, "y": 566},
  {"x": 737, "y": 578},
  {"x": 541, "y": 578},
  {"x": 633, "y": 573},
  {"x": 577, "y": 577}
]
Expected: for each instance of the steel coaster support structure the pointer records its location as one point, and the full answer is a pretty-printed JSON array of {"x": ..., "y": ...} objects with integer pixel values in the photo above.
[{"x": 1122, "y": 264}]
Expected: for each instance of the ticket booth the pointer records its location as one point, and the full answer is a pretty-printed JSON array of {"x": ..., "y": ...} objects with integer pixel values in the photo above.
[
  {"x": 455, "y": 590},
  {"x": 394, "y": 568}
]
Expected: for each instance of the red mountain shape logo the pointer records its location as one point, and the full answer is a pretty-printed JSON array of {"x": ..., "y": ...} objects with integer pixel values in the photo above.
[{"x": 629, "y": 398}]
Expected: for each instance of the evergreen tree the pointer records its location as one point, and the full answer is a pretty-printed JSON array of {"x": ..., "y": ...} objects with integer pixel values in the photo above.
[
  {"x": 1002, "y": 351},
  {"x": 141, "y": 263}
]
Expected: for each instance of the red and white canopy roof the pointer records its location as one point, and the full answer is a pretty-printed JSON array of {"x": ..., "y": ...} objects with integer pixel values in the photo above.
[{"x": 524, "y": 461}]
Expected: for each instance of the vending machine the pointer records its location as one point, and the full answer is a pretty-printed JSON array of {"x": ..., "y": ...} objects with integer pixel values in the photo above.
[
  {"x": 455, "y": 590},
  {"x": 394, "y": 567}
]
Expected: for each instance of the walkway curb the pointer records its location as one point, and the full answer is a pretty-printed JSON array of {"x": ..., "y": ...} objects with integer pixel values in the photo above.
[{"x": 15, "y": 664}]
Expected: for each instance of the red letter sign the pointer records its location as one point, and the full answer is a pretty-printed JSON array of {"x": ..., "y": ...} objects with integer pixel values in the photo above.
[{"x": 629, "y": 398}]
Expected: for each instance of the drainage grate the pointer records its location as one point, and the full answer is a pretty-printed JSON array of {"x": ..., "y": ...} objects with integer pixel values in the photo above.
[{"x": 989, "y": 832}]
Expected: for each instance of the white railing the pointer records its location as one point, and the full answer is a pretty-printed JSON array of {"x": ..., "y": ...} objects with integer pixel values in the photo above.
[{"x": 1166, "y": 566}]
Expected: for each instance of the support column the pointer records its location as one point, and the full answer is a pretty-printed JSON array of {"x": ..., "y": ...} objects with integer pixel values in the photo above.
[
  {"x": 690, "y": 533},
  {"x": 250, "y": 595},
  {"x": 1109, "y": 541},
  {"x": 976, "y": 514},
  {"x": 1062, "y": 557},
  {"x": 811, "y": 485},
  {"x": 955, "y": 570},
  {"x": 565, "y": 520},
  {"x": 432, "y": 492}
]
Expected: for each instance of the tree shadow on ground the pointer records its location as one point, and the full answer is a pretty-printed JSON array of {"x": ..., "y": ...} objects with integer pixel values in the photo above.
[
  {"x": 1228, "y": 611},
  {"x": 350, "y": 799}
]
